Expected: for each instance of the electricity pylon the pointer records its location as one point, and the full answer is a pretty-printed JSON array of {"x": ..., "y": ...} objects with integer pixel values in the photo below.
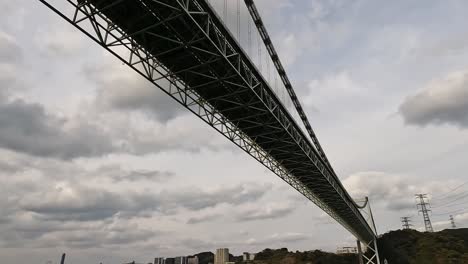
[
  {"x": 406, "y": 222},
  {"x": 423, "y": 208},
  {"x": 452, "y": 221}
]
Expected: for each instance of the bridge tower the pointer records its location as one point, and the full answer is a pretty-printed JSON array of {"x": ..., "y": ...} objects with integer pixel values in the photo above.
[
  {"x": 423, "y": 208},
  {"x": 371, "y": 256}
]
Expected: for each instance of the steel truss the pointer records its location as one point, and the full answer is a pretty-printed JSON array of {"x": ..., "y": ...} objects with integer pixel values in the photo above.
[{"x": 187, "y": 52}]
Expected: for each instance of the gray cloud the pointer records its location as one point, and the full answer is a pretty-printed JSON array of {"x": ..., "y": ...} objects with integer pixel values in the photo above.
[
  {"x": 185, "y": 133},
  {"x": 83, "y": 235},
  {"x": 196, "y": 244},
  {"x": 100, "y": 238},
  {"x": 265, "y": 212},
  {"x": 9, "y": 167},
  {"x": 198, "y": 199},
  {"x": 122, "y": 89},
  {"x": 117, "y": 174},
  {"x": 202, "y": 219},
  {"x": 401, "y": 204},
  {"x": 80, "y": 203},
  {"x": 392, "y": 190},
  {"x": 59, "y": 41},
  {"x": 279, "y": 239},
  {"x": 289, "y": 237},
  {"x": 10, "y": 58},
  {"x": 10, "y": 52},
  {"x": 30, "y": 128},
  {"x": 443, "y": 101},
  {"x": 27, "y": 128}
]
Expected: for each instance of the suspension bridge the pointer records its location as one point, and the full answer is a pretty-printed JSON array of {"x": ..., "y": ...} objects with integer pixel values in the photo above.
[{"x": 217, "y": 59}]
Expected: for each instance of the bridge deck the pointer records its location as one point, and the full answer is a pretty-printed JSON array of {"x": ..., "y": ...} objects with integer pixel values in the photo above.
[{"x": 191, "y": 42}]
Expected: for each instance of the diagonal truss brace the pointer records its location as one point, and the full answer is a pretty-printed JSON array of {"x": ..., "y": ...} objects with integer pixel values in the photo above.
[{"x": 372, "y": 254}]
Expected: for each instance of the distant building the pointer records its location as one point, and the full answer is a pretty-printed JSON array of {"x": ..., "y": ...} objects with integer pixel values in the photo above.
[
  {"x": 246, "y": 256},
  {"x": 192, "y": 260},
  {"x": 159, "y": 261},
  {"x": 346, "y": 250},
  {"x": 222, "y": 256},
  {"x": 170, "y": 261},
  {"x": 181, "y": 260}
]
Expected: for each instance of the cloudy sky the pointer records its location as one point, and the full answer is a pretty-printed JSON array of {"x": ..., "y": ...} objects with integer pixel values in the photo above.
[{"x": 96, "y": 162}]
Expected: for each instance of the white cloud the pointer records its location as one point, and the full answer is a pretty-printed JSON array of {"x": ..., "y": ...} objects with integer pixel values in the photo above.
[
  {"x": 11, "y": 57},
  {"x": 338, "y": 44},
  {"x": 203, "y": 218},
  {"x": 442, "y": 101},
  {"x": 331, "y": 88},
  {"x": 10, "y": 51},
  {"x": 278, "y": 239},
  {"x": 59, "y": 41},
  {"x": 395, "y": 192},
  {"x": 123, "y": 89},
  {"x": 266, "y": 212}
]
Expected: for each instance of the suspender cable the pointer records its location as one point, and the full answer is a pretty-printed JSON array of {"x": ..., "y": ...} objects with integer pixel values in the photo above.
[
  {"x": 259, "y": 52},
  {"x": 268, "y": 70},
  {"x": 282, "y": 73},
  {"x": 225, "y": 12},
  {"x": 249, "y": 38},
  {"x": 292, "y": 94},
  {"x": 276, "y": 82},
  {"x": 238, "y": 22}
]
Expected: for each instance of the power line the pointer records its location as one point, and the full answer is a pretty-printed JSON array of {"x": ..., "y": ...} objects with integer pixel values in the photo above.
[
  {"x": 452, "y": 195},
  {"x": 452, "y": 205},
  {"x": 459, "y": 211},
  {"x": 450, "y": 191},
  {"x": 464, "y": 195}
]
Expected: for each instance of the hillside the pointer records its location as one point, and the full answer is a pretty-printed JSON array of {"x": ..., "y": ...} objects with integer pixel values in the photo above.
[
  {"x": 413, "y": 247},
  {"x": 283, "y": 256},
  {"x": 398, "y": 247}
]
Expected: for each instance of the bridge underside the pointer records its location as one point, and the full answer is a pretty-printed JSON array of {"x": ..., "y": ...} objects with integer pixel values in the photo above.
[{"x": 184, "y": 49}]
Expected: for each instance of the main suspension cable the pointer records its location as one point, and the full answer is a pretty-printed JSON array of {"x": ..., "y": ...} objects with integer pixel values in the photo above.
[{"x": 281, "y": 71}]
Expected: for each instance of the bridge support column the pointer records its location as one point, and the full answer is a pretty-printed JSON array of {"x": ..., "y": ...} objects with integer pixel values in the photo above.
[
  {"x": 359, "y": 250},
  {"x": 372, "y": 253}
]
